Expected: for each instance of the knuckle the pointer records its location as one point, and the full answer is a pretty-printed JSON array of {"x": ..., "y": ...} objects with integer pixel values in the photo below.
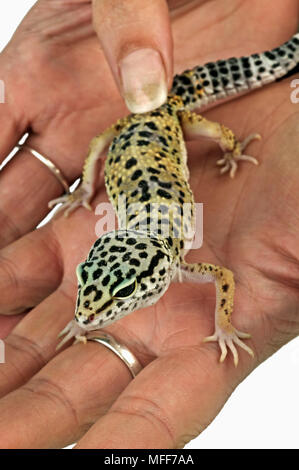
[
  {"x": 26, "y": 347},
  {"x": 23, "y": 359},
  {"x": 147, "y": 410},
  {"x": 11, "y": 232},
  {"x": 7, "y": 272},
  {"x": 46, "y": 389}
]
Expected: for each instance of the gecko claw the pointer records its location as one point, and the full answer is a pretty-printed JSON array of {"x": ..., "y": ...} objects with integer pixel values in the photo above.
[
  {"x": 87, "y": 205},
  {"x": 80, "y": 339}
]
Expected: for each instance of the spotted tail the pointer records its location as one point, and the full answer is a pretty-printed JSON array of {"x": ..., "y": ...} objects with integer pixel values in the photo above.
[{"x": 220, "y": 80}]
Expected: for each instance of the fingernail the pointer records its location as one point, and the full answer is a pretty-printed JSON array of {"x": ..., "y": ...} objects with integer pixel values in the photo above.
[{"x": 143, "y": 80}]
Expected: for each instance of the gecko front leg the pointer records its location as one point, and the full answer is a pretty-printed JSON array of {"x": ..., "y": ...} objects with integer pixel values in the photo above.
[
  {"x": 85, "y": 191},
  {"x": 225, "y": 333}
]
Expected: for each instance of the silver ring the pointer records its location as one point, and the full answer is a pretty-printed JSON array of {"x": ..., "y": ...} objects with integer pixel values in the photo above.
[
  {"x": 119, "y": 349},
  {"x": 56, "y": 172}
]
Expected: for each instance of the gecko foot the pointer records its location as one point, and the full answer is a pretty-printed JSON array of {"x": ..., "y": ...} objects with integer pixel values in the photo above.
[
  {"x": 70, "y": 202},
  {"x": 72, "y": 330},
  {"x": 229, "y": 161},
  {"x": 227, "y": 339}
]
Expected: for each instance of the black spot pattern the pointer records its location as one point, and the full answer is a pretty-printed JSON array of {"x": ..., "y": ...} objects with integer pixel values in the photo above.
[
  {"x": 106, "y": 280},
  {"x": 220, "y": 77},
  {"x": 96, "y": 274},
  {"x": 136, "y": 175},
  {"x": 130, "y": 163}
]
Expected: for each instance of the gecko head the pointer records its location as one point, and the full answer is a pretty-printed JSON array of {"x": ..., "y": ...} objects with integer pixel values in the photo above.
[{"x": 124, "y": 271}]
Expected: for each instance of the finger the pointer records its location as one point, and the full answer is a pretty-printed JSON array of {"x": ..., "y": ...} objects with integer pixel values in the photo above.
[
  {"x": 12, "y": 123},
  {"x": 12, "y": 126},
  {"x": 136, "y": 39},
  {"x": 61, "y": 401},
  {"x": 30, "y": 270},
  {"x": 32, "y": 342},
  {"x": 34, "y": 266},
  {"x": 26, "y": 187},
  {"x": 8, "y": 323},
  {"x": 167, "y": 404}
]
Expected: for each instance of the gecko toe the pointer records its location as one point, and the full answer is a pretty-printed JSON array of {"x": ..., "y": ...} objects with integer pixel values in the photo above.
[{"x": 228, "y": 340}]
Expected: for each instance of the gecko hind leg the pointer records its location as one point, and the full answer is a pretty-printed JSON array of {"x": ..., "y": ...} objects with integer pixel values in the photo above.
[
  {"x": 225, "y": 333},
  {"x": 195, "y": 125}
]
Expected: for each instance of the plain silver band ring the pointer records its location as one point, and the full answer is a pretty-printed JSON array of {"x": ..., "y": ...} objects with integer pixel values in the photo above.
[
  {"x": 119, "y": 349},
  {"x": 56, "y": 172}
]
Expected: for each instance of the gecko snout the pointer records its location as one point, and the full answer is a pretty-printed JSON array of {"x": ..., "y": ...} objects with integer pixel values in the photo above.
[{"x": 83, "y": 319}]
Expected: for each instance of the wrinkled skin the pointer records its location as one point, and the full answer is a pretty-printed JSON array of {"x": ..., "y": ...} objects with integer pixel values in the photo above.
[{"x": 66, "y": 95}]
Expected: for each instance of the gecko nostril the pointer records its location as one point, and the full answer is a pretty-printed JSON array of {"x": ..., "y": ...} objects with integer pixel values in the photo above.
[{"x": 91, "y": 318}]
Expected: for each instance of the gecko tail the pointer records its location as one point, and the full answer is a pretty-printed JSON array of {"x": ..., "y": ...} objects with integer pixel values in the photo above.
[{"x": 70, "y": 331}]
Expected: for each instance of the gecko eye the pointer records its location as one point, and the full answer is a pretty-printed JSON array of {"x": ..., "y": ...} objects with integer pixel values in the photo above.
[{"x": 124, "y": 291}]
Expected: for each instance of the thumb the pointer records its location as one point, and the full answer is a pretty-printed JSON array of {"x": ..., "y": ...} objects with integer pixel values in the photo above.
[{"x": 136, "y": 38}]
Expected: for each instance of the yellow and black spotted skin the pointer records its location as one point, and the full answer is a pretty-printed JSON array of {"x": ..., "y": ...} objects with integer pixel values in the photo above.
[
  {"x": 146, "y": 178},
  {"x": 146, "y": 166}
]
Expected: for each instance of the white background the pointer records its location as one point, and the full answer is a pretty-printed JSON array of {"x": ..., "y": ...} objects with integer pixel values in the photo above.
[{"x": 263, "y": 411}]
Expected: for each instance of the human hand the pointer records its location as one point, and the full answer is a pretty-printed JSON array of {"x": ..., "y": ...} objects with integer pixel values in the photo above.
[{"x": 50, "y": 400}]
